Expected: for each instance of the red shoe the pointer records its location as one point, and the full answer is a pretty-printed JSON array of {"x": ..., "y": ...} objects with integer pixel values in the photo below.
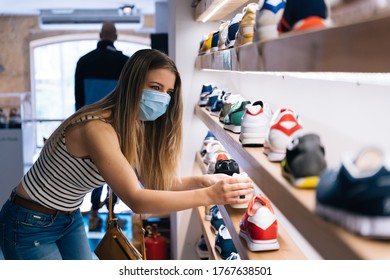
[{"x": 258, "y": 226}]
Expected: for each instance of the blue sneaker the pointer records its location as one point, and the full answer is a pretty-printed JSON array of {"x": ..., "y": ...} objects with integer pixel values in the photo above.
[
  {"x": 214, "y": 41},
  {"x": 213, "y": 97},
  {"x": 216, "y": 107},
  {"x": 207, "y": 89},
  {"x": 216, "y": 219},
  {"x": 233, "y": 27},
  {"x": 357, "y": 195},
  {"x": 224, "y": 243}
]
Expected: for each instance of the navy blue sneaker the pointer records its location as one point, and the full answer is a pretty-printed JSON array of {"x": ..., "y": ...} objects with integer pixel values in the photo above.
[
  {"x": 233, "y": 27},
  {"x": 224, "y": 243},
  {"x": 300, "y": 15},
  {"x": 214, "y": 41},
  {"x": 356, "y": 196},
  {"x": 304, "y": 161},
  {"x": 216, "y": 107},
  {"x": 213, "y": 97},
  {"x": 216, "y": 219},
  {"x": 207, "y": 89}
]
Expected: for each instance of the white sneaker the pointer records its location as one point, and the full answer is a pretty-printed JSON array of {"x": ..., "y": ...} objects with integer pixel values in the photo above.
[
  {"x": 267, "y": 18},
  {"x": 223, "y": 33},
  {"x": 248, "y": 196},
  {"x": 255, "y": 123},
  {"x": 283, "y": 128},
  {"x": 211, "y": 149}
]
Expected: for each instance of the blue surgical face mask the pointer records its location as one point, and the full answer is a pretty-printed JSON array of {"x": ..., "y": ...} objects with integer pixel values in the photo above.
[{"x": 153, "y": 104}]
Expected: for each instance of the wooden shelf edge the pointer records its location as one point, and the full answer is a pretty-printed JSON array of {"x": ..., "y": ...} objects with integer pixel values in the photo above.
[{"x": 335, "y": 49}]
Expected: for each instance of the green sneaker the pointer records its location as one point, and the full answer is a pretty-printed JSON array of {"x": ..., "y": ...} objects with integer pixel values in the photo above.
[{"x": 233, "y": 119}]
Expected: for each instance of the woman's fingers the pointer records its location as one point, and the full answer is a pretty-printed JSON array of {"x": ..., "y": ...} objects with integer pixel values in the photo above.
[{"x": 236, "y": 189}]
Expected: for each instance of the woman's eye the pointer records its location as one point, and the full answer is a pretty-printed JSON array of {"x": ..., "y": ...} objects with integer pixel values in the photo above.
[{"x": 170, "y": 92}]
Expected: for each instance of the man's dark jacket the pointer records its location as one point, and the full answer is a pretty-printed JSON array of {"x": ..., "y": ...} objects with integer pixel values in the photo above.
[{"x": 97, "y": 73}]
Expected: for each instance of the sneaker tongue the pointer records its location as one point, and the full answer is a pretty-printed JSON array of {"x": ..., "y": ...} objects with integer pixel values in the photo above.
[{"x": 369, "y": 160}]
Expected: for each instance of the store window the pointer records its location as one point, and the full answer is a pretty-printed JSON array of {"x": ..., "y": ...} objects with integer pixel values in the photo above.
[{"x": 53, "y": 68}]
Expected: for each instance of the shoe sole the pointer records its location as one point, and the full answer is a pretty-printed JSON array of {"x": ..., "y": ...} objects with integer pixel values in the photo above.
[
  {"x": 275, "y": 156},
  {"x": 371, "y": 227},
  {"x": 232, "y": 128},
  {"x": 224, "y": 255},
  {"x": 251, "y": 139},
  {"x": 309, "y": 182},
  {"x": 259, "y": 245}
]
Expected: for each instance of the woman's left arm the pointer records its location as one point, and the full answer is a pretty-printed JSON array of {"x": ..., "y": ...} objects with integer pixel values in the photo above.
[{"x": 197, "y": 182}]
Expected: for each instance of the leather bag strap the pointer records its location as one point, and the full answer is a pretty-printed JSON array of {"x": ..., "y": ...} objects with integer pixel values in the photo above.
[{"x": 110, "y": 218}]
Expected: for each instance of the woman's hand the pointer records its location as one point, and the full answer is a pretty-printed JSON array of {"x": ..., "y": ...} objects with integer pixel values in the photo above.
[
  {"x": 211, "y": 179},
  {"x": 228, "y": 190}
]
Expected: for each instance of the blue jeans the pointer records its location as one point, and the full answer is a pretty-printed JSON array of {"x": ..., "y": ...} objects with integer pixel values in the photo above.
[{"x": 30, "y": 235}]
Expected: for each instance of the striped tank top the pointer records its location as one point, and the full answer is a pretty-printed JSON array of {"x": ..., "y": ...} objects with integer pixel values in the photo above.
[{"x": 59, "y": 180}]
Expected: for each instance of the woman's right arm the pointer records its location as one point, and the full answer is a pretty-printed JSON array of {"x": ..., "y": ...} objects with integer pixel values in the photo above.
[{"x": 101, "y": 143}]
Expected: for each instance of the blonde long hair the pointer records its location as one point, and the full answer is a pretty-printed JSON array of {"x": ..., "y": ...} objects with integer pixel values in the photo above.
[{"x": 153, "y": 148}]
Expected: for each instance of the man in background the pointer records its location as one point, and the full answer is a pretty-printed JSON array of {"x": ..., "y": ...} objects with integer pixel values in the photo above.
[{"x": 97, "y": 73}]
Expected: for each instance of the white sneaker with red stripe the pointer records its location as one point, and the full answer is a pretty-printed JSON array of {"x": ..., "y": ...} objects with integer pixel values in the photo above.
[
  {"x": 259, "y": 226},
  {"x": 283, "y": 128},
  {"x": 255, "y": 123}
]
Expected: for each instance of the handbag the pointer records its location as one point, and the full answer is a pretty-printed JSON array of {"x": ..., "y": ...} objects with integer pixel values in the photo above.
[{"x": 115, "y": 245}]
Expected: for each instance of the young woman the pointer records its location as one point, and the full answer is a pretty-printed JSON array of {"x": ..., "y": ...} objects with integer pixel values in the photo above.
[{"x": 131, "y": 140}]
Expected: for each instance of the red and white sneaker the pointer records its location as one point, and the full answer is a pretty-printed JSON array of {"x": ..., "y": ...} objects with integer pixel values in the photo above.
[
  {"x": 259, "y": 226},
  {"x": 283, "y": 128}
]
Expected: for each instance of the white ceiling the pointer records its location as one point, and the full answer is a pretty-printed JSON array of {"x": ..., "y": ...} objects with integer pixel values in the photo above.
[{"x": 32, "y": 7}]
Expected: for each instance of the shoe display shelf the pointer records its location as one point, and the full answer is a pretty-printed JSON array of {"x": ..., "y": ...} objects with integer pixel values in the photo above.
[
  {"x": 297, "y": 205},
  {"x": 232, "y": 216},
  {"x": 204, "y": 8},
  {"x": 356, "y": 47}
]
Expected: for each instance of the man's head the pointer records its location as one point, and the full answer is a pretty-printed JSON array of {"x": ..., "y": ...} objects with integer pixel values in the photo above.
[{"x": 108, "y": 31}]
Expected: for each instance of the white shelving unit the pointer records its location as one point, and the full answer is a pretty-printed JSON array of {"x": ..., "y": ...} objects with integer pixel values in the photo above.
[{"x": 345, "y": 114}]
